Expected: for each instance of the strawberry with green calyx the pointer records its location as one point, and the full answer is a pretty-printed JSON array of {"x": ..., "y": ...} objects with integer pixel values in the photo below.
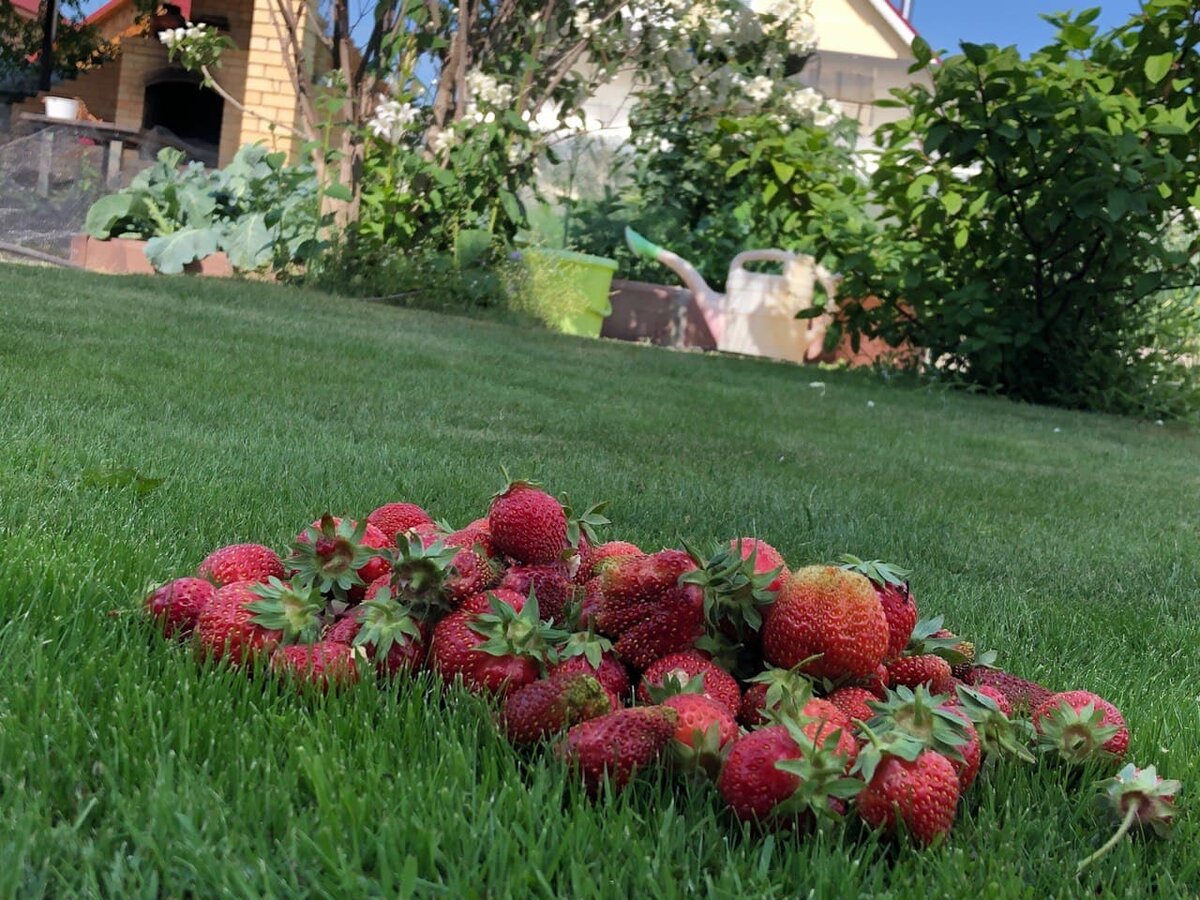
[
  {"x": 545, "y": 707},
  {"x": 338, "y": 556},
  {"x": 705, "y": 730},
  {"x": 966, "y": 650},
  {"x": 471, "y": 572},
  {"x": 925, "y": 641},
  {"x": 240, "y": 562},
  {"x": 419, "y": 573},
  {"x": 1079, "y": 726},
  {"x": 787, "y": 689},
  {"x": 1140, "y": 799},
  {"x": 891, "y": 584},
  {"x": 646, "y": 610},
  {"x": 604, "y": 556},
  {"x": 294, "y": 610},
  {"x": 592, "y": 654},
  {"x": 224, "y": 629},
  {"x": 923, "y": 669},
  {"x": 389, "y": 634},
  {"x": 906, "y": 783},
  {"x": 554, "y": 589},
  {"x": 394, "y": 519},
  {"x": 918, "y": 716},
  {"x": 611, "y": 748},
  {"x": 853, "y": 701},
  {"x": 689, "y": 672},
  {"x": 735, "y": 593},
  {"x": 1023, "y": 695},
  {"x": 176, "y": 605},
  {"x": 527, "y": 524},
  {"x": 789, "y": 774},
  {"x": 998, "y": 734}
]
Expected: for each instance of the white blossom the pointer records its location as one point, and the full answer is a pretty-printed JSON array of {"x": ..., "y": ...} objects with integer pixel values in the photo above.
[{"x": 759, "y": 88}]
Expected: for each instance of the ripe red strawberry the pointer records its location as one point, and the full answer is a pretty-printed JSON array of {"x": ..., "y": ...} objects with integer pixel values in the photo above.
[
  {"x": 877, "y": 681},
  {"x": 176, "y": 605},
  {"x": 1079, "y": 726},
  {"x": 393, "y": 519},
  {"x": 766, "y": 559},
  {"x": 528, "y": 524},
  {"x": 915, "y": 720},
  {"x": 997, "y": 734},
  {"x": 324, "y": 664},
  {"x": 829, "y": 613},
  {"x": 895, "y": 597},
  {"x": 788, "y": 774},
  {"x": 704, "y": 730},
  {"x": 1023, "y": 695},
  {"x": 477, "y": 534},
  {"x": 996, "y": 694},
  {"x": 385, "y": 629},
  {"x": 551, "y": 583},
  {"x": 678, "y": 673},
  {"x": 225, "y": 629},
  {"x": 738, "y": 593},
  {"x": 481, "y": 602},
  {"x": 589, "y": 606},
  {"x": 428, "y": 534},
  {"x": 494, "y": 652},
  {"x": 922, "y": 793},
  {"x": 294, "y": 610},
  {"x": 339, "y": 556},
  {"x": 241, "y": 562},
  {"x": 470, "y": 573},
  {"x": 931, "y": 671},
  {"x": 547, "y": 706},
  {"x": 971, "y": 752},
  {"x": 600, "y": 558},
  {"x": 610, "y": 672},
  {"x": 646, "y": 610},
  {"x": 853, "y": 702},
  {"x": 613, "y": 747},
  {"x": 772, "y": 690}
]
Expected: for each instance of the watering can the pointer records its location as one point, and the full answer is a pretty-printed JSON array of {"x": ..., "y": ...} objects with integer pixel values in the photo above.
[{"x": 757, "y": 313}]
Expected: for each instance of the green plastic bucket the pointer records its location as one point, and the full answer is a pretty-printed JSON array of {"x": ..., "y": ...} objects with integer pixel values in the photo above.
[{"x": 569, "y": 291}]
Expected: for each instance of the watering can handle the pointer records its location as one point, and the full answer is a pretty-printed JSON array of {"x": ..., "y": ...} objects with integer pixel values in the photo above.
[{"x": 779, "y": 256}]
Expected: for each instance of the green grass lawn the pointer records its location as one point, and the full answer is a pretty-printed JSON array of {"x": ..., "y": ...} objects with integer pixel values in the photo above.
[{"x": 1068, "y": 542}]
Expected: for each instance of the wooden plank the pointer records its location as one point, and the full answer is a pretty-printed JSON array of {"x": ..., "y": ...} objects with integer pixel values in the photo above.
[
  {"x": 112, "y": 173},
  {"x": 45, "y": 160}
]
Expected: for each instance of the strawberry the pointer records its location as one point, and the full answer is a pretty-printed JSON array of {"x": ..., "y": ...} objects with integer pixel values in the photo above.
[
  {"x": 606, "y": 666},
  {"x": 385, "y": 629},
  {"x": 678, "y": 673},
  {"x": 589, "y": 605},
  {"x": 831, "y": 614},
  {"x": 788, "y": 774},
  {"x": 895, "y": 597},
  {"x": 877, "y": 681},
  {"x": 1080, "y": 725},
  {"x": 967, "y": 768},
  {"x": 645, "y": 608},
  {"x": 528, "y": 524},
  {"x": 965, "y": 649},
  {"x": 766, "y": 560},
  {"x": 176, "y": 605},
  {"x": 476, "y": 535},
  {"x": 482, "y": 602},
  {"x": 773, "y": 689},
  {"x": 547, "y": 706},
  {"x": 323, "y": 664},
  {"x": 998, "y": 735},
  {"x": 997, "y": 696},
  {"x": 551, "y": 583},
  {"x": 493, "y": 652},
  {"x": 339, "y": 556},
  {"x": 429, "y": 534},
  {"x": 1139, "y": 798},
  {"x": 293, "y": 610},
  {"x": 224, "y": 628},
  {"x": 853, "y": 702},
  {"x": 704, "y": 730},
  {"x": 393, "y": 519},
  {"x": 241, "y": 562},
  {"x": 737, "y": 589},
  {"x": 582, "y": 528},
  {"x": 613, "y": 747},
  {"x": 419, "y": 572},
  {"x": 917, "y": 719},
  {"x": 470, "y": 573},
  {"x": 922, "y": 792},
  {"x": 599, "y": 559},
  {"x": 1024, "y": 696},
  {"x": 931, "y": 671}
]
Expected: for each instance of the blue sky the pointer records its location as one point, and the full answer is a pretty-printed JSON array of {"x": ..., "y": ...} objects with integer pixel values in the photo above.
[{"x": 946, "y": 22}]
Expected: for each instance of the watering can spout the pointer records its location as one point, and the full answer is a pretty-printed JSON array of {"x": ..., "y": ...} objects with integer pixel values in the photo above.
[
  {"x": 641, "y": 246},
  {"x": 692, "y": 279}
]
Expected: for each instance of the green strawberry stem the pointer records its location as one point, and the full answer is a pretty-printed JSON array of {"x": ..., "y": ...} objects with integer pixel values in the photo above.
[{"x": 1126, "y": 824}]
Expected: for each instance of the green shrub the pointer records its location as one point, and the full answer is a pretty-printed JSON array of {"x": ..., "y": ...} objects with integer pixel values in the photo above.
[{"x": 1031, "y": 218}]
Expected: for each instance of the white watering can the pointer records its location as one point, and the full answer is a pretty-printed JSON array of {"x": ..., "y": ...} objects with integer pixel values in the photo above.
[{"x": 757, "y": 313}]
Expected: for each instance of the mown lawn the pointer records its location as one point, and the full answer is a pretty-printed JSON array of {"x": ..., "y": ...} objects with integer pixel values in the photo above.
[{"x": 1067, "y": 542}]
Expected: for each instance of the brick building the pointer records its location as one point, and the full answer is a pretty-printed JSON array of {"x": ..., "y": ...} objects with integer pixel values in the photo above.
[{"x": 142, "y": 89}]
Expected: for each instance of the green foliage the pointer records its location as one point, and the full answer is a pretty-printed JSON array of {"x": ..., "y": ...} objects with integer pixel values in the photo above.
[
  {"x": 258, "y": 210},
  {"x": 1036, "y": 226},
  {"x": 76, "y": 45}
]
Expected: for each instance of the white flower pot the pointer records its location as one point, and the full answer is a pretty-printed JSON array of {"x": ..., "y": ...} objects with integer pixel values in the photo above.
[{"x": 61, "y": 108}]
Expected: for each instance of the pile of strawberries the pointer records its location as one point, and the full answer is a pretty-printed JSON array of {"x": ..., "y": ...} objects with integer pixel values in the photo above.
[{"x": 804, "y": 694}]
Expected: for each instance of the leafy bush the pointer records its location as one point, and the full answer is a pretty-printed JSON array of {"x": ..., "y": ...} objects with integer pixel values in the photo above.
[
  {"x": 258, "y": 210},
  {"x": 1036, "y": 217}
]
